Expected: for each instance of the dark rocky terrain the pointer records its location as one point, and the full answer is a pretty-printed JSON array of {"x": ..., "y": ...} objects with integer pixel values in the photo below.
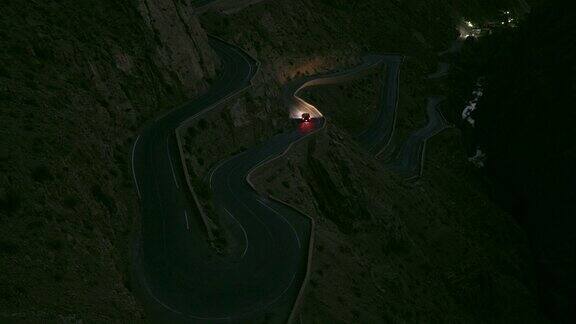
[
  {"x": 74, "y": 90},
  {"x": 78, "y": 87},
  {"x": 525, "y": 126}
]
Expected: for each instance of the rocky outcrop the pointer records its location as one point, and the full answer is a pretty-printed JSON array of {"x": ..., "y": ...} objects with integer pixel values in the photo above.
[{"x": 182, "y": 43}]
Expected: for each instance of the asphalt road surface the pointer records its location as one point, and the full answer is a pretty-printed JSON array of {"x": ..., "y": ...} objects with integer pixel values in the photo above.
[
  {"x": 378, "y": 135},
  {"x": 409, "y": 159}
]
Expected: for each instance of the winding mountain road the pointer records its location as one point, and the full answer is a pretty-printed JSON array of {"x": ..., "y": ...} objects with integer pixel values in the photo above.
[
  {"x": 377, "y": 136},
  {"x": 409, "y": 160},
  {"x": 179, "y": 275}
]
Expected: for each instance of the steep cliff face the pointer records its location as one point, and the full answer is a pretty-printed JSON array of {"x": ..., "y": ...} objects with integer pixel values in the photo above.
[{"x": 78, "y": 79}]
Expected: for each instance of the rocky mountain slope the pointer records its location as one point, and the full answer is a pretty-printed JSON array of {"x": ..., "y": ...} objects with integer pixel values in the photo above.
[{"x": 78, "y": 79}]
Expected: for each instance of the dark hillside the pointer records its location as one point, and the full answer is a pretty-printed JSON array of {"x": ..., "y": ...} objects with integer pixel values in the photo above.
[
  {"x": 525, "y": 123},
  {"x": 77, "y": 80}
]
